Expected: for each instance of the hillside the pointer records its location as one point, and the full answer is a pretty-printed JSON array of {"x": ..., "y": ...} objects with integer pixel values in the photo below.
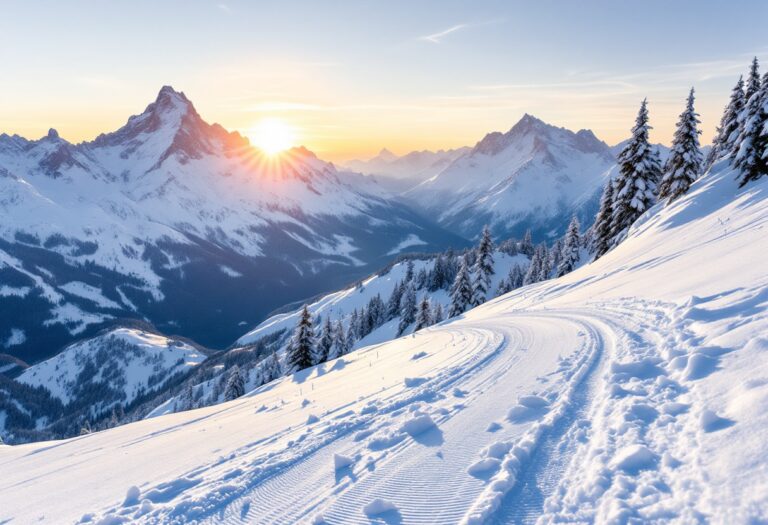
[{"x": 630, "y": 389}]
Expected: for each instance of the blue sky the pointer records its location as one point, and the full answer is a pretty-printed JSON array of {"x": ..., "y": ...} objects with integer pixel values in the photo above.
[{"x": 352, "y": 77}]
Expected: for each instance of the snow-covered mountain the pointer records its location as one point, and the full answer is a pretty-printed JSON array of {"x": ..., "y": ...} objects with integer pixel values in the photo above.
[
  {"x": 629, "y": 390},
  {"x": 534, "y": 176},
  {"x": 411, "y": 168},
  {"x": 91, "y": 378},
  {"x": 179, "y": 222}
]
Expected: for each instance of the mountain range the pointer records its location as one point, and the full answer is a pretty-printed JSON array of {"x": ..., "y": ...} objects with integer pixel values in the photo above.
[{"x": 180, "y": 223}]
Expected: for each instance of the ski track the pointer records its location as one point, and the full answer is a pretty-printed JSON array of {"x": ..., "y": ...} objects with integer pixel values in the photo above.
[{"x": 602, "y": 393}]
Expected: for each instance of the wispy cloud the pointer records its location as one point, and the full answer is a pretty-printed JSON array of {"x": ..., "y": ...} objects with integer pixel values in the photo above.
[
  {"x": 436, "y": 38},
  {"x": 225, "y": 8}
]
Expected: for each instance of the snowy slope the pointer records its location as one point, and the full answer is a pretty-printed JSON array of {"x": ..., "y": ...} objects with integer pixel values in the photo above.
[
  {"x": 129, "y": 362},
  {"x": 535, "y": 175},
  {"x": 169, "y": 207},
  {"x": 631, "y": 390}
]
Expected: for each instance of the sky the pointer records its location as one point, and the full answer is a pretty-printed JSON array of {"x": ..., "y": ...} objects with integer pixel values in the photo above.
[{"x": 350, "y": 78}]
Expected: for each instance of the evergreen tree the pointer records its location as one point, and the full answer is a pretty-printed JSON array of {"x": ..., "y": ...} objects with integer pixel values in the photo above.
[
  {"x": 483, "y": 268},
  {"x": 271, "y": 369},
  {"x": 753, "y": 81},
  {"x": 437, "y": 313},
  {"x": 461, "y": 291},
  {"x": 376, "y": 312},
  {"x": 409, "y": 271},
  {"x": 569, "y": 256},
  {"x": 601, "y": 230},
  {"x": 534, "y": 269},
  {"x": 393, "y": 305},
  {"x": 752, "y": 148},
  {"x": 437, "y": 277},
  {"x": 634, "y": 190},
  {"x": 235, "y": 384},
  {"x": 526, "y": 246},
  {"x": 516, "y": 276},
  {"x": 728, "y": 130},
  {"x": 556, "y": 253},
  {"x": 684, "y": 163},
  {"x": 421, "y": 279},
  {"x": 505, "y": 286},
  {"x": 340, "y": 341},
  {"x": 354, "y": 323},
  {"x": 424, "y": 315},
  {"x": 545, "y": 270},
  {"x": 324, "y": 342},
  {"x": 407, "y": 309},
  {"x": 301, "y": 348}
]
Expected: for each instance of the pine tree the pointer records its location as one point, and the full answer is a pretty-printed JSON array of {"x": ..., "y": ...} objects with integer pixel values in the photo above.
[
  {"x": 424, "y": 315},
  {"x": 752, "y": 148},
  {"x": 526, "y": 246},
  {"x": 516, "y": 276},
  {"x": 634, "y": 190},
  {"x": 354, "y": 323},
  {"x": 437, "y": 313},
  {"x": 461, "y": 291},
  {"x": 340, "y": 341},
  {"x": 271, "y": 369},
  {"x": 728, "y": 130},
  {"x": 601, "y": 230},
  {"x": 235, "y": 384},
  {"x": 409, "y": 271},
  {"x": 534, "y": 269},
  {"x": 301, "y": 348},
  {"x": 569, "y": 257},
  {"x": 753, "y": 81},
  {"x": 324, "y": 342},
  {"x": 556, "y": 253},
  {"x": 407, "y": 309},
  {"x": 393, "y": 305},
  {"x": 545, "y": 270},
  {"x": 684, "y": 163},
  {"x": 483, "y": 268}
]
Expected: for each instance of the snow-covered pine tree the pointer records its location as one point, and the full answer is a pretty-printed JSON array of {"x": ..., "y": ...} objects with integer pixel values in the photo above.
[
  {"x": 634, "y": 190},
  {"x": 504, "y": 286},
  {"x": 354, "y": 323},
  {"x": 569, "y": 257},
  {"x": 753, "y": 81},
  {"x": 301, "y": 348},
  {"x": 534, "y": 269},
  {"x": 601, "y": 229},
  {"x": 424, "y": 315},
  {"x": 437, "y": 313},
  {"x": 728, "y": 130},
  {"x": 684, "y": 164},
  {"x": 515, "y": 277},
  {"x": 545, "y": 270},
  {"x": 407, "y": 309},
  {"x": 437, "y": 277},
  {"x": 270, "y": 368},
  {"x": 235, "y": 384},
  {"x": 752, "y": 148},
  {"x": 483, "y": 268},
  {"x": 324, "y": 342},
  {"x": 526, "y": 245},
  {"x": 393, "y": 304},
  {"x": 461, "y": 291},
  {"x": 409, "y": 269},
  {"x": 340, "y": 341},
  {"x": 556, "y": 253}
]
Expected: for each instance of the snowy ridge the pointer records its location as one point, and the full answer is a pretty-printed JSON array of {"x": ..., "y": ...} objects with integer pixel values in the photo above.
[
  {"x": 131, "y": 361},
  {"x": 535, "y": 175}
]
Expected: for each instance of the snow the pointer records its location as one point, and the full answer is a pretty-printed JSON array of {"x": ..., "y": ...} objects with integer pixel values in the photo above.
[
  {"x": 624, "y": 421},
  {"x": 145, "y": 355},
  {"x": 411, "y": 240}
]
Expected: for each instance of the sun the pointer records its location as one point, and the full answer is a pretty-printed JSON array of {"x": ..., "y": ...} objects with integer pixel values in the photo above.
[{"x": 272, "y": 136}]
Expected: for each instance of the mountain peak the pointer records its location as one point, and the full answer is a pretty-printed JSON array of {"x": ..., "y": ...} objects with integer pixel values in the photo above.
[{"x": 52, "y": 134}]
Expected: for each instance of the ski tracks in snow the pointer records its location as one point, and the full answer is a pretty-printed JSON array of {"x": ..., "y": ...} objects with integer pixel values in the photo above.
[{"x": 507, "y": 431}]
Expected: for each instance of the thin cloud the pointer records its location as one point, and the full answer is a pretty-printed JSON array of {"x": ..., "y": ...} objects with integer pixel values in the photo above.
[
  {"x": 225, "y": 8},
  {"x": 436, "y": 38}
]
